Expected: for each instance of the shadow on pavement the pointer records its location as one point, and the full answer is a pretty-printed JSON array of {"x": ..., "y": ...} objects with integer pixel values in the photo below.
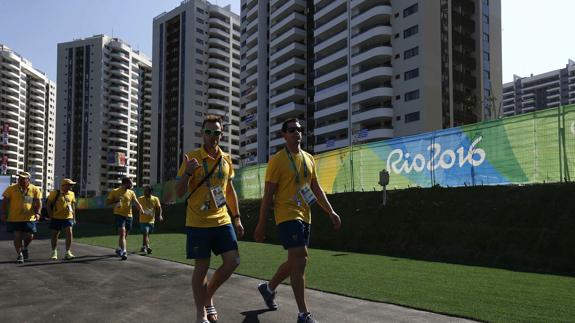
[
  {"x": 252, "y": 316},
  {"x": 76, "y": 260}
]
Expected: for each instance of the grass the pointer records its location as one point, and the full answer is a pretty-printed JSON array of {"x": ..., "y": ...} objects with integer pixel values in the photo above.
[{"x": 487, "y": 294}]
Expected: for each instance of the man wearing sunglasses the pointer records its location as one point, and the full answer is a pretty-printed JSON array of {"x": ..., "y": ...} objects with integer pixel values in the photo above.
[
  {"x": 291, "y": 184},
  {"x": 207, "y": 174}
]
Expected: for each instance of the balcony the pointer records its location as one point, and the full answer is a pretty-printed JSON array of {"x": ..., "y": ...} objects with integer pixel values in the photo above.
[
  {"x": 380, "y": 51},
  {"x": 289, "y": 109},
  {"x": 371, "y": 33},
  {"x": 331, "y": 91},
  {"x": 293, "y": 35},
  {"x": 290, "y": 95},
  {"x": 292, "y": 20},
  {"x": 293, "y": 49},
  {"x": 290, "y": 65},
  {"x": 331, "y": 145},
  {"x": 277, "y": 142},
  {"x": 218, "y": 103},
  {"x": 376, "y": 72},
  {"x": 372, "y": 114},
  {"x": 336, "y": 25},
  {"x": 213, "y": 91},
  {"x": 330, "y": 58},
  {"x": 288, "y": 81},
  {"x": 219, "y": 32},
  {"x": 322, "y": 12},
  {"x": 376, "y": 93},
  {"x": 382, "y": 10},
  {"x": 337, "y": 126},
  {"x": 320, "y": 46},
  {"x": 331, "y": 110},
  {"x": 338, "y": 73},
  {"x": 218, "y": 72}
]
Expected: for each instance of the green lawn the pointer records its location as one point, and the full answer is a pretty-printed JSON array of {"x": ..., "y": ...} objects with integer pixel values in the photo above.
[{"x": 487, "y": 294}]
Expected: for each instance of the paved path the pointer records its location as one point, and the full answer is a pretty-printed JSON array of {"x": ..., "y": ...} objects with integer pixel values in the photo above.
[{"x": 98, "y": 287}]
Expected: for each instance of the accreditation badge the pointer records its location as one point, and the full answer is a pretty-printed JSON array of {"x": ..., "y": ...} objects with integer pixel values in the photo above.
[
  {"x": 307, "y": 194},
  {"x": 148, "y": 211},
  {"x": 218, "y": 196},
  {"x": 28, "y": 199}
]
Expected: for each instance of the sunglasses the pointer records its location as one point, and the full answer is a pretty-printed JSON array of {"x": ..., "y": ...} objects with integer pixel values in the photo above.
[
  {"x": 211, "y": 132},
  {"x": 294, "y": 129}
]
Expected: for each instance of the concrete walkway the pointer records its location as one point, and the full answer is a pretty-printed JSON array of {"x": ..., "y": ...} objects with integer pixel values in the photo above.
[{"x": 98, "y": 287}]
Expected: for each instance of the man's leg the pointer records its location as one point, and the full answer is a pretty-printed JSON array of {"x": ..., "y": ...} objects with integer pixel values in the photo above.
[
  {"x": 69, "y": 237},
  {"x": 18, "y": 241},
  {"x": 122, "y": 238},
  {"x": 55, "y": 235},
  {"x": 28, "y": 237},
  {"x": 200, "y": 286},
  {"x": 230, "y": 261},
  {"x": 297, "y": 259}
]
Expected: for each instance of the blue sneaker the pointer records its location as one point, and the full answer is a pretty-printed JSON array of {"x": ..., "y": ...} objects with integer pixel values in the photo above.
[
  {"x": 268, "y": 297},
  {"x": 306, "y": 318},
  {"x": 124, "y": 255},
  {"x": 118, "y": 252},
  {"x": 20, "y": 258},
  {"x": 25, "y": 253}
]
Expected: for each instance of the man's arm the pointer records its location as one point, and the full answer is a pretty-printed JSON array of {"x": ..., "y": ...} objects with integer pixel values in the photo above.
[
  {"x": 159, "y": 210},
  {"x": 269, "y": 191},
  {"x": 111, "y": 199},
  {"x": 135, "y": 200},
  {"x": 37, "y": 206},
  {"x": 232, "y": 198},
  {"x": 190, "y": 166},
  {"x": 324, "y": 203}
]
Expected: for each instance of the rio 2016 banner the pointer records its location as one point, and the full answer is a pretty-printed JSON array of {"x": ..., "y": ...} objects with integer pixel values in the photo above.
[
  {"x": 535, "y": 147},
  {"x": 532, "y": 148}
]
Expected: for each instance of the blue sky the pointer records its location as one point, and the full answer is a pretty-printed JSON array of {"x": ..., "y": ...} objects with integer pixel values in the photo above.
[{"x": 536, "y": 37}]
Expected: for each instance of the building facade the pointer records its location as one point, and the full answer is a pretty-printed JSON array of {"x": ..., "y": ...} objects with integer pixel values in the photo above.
[
  {"x": 537, "y": 92},
  {"x": 103, "y": 114},
  {"x": 27, "y": 120},
  {"x": 365, "y": 70},
  {"x": 196, "y": 63}
]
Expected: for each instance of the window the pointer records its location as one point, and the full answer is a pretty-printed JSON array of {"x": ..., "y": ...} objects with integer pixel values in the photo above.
[
  {"x": 199, "y": 51},
  {"x": 410, "y": 10},
  {"x": 200, "y": 10},
  {"x": 411, "y": 117},
  {"x": 200, "y": 31},
  {"x": 199, "y": 124},
  {"x": 199, "y": 113},
  {"x": 412, "y": 95},
  {"x": 411, "y": 74},
  {"x": 199, "y": 61},
  {"x": 198, "y": 82},
  {"x": 410, "y": 31},
  {"x": 200, "y": 20},
  {"x": 199, "y": 72},
  {"x": 411, "y": 52},
  {"x": 198, "y": 92},
  {"x": 199, "y": 41}
]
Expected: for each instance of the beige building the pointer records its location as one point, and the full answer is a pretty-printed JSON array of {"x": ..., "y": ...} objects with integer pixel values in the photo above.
[
  {"x": 27, "y": 119},
  {"x": 196, "y": 59},
  {"x": 365, "y": 70},
  {"x": 103, "y": 114}
]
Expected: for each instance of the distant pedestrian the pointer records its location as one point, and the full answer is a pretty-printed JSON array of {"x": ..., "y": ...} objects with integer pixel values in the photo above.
[
  {"x": 122, "y": 199},
  {"x": 25, "y": 205},
  {"x": 61, "y": 208},
  {"x": 152, "y": 209}
]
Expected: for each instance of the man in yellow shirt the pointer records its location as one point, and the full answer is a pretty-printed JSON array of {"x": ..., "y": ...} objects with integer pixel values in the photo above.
[
  {"x": 61, "y": 208},
  {"x": 24, "y": 201},
  {"x": 291, "y": 184},
  {"x": 152, "y": 207},
  {"x": 207, "y": 174},
  {"x": 122, "y": 199}
]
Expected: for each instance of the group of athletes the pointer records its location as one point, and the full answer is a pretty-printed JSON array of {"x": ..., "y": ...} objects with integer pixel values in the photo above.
[{"x": 205, "y": 177}]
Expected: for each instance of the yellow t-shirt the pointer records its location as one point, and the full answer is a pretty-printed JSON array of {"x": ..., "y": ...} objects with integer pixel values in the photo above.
[
  {"x": 288, "y": 203},
  {"x": 150, "y": 206},
  {"x": 125, "y": 197},
  {"x": 197, "y": 215},
  {"x": 63, "y": 207},
  {"x": 21, "y": 209}
]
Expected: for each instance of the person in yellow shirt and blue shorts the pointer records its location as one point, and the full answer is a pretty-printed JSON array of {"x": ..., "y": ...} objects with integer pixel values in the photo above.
[
  {"x": 207, "y": 174},
  {"x": 291, "y": 184},
  {"x": 122, "y": 199},
  {"x": 61, "y": 208},
  {"x": 21, "y": 210},
  {"x": 152, "y": 207}
]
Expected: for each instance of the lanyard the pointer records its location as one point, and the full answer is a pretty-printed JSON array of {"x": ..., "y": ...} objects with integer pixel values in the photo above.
[
  {"x": 295, "y": 168},
  {"x": 220, "y": 172},
  {"x": 24, "y": 193}
]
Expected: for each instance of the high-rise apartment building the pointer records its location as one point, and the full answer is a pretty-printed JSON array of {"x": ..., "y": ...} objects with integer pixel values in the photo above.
[
  {"x": 365, "y": 70},
  {"x": 103, "y": 114},
  {"x": 196, "y": 62},
  {"x": 537, "y": 92},
  {"x": 27, "y": 119}
]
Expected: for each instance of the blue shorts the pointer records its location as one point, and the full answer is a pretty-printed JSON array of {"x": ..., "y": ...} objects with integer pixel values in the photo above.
[
  {"x": 123, "y": 222},
  {"x": 146, "y": 227},
  {"x": 201, "y": 242},
  {"x": 26, "y": 226},
  {"x": 59, "y": 224},
  {"x": 294, "y": 234}
]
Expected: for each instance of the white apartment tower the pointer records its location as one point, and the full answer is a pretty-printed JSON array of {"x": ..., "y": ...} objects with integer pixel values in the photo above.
[
  {"x": 103, "y": 114},
  {"x": 365, "y": 70},
  {"x": 196, "y": 59},
  {"x": 538, "y": 92},
  {"x": 27, "y": 120}
]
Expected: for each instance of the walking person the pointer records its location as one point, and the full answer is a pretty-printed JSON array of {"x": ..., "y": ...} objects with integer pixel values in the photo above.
[
  {"x": 61, "y": 208},
  {"x": 21, "y": 210},
  {"x": 291, "y": 184},
  {"x": 152, "y": 209},
  {"x": 206, "y": 173},
  {"x": 122, "y": 199}
]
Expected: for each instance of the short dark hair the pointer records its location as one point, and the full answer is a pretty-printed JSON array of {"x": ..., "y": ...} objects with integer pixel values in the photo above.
[
  {"x": 125, "y": 180},
  {"x": 149, "y": 188},
  {"x": 290, "y": 120},
  {"x": 212, "y": 118}
]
